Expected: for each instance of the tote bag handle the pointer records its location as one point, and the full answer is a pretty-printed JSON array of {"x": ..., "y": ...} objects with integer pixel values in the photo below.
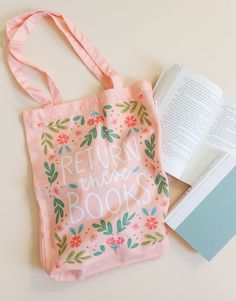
[{"x": 19, "y": 28}]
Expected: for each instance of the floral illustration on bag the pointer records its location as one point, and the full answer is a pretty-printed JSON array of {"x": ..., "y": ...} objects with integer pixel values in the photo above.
[
  {"x": 107, "y": 229},
  {"x": 150, "y": 144},
  {"x": 76, "y": 240},
  {"x": 47, "y": 138},
  {"x": 133, "y": 106},
  {"x": 151, "y": 223},
  {"x": 162, "y": 185},
  {"x": 96, "y": 120},
  {"x": 130, "y": 122},
  {"x": 160, "y": 181},
  {"x": 58, "y": 141},
  {"x": 62, "y": 140}
]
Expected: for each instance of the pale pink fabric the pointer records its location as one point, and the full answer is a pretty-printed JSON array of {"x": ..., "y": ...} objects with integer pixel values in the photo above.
[{"x": 98, "y": 179}]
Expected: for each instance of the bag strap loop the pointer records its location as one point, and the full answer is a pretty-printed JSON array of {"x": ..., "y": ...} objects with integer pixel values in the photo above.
[{"x": 19, "y": 28}]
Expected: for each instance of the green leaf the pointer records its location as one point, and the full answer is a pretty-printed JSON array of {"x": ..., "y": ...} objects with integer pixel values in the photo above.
[
  {"x": 58, "y": 125},
  {"x": 46, "y": 166},
  {"x": 109, "y": 139},
  {"x": 104, "y": 227},
  {"x": 135, "y": 245},
  {"x": 82, "y": 121},
  {"x": 144, "y": 210},
  {"x": 128, "y": 133},
  {"x": 96, "y": 225},
  {"x": 102, "y": 247},
  {"x": 149, "y": 151},
  {"x": 60, "y": 150},
  {"x": 80, "y": 228},
  {"x": 76, "y": 118},
  {"x": 150, "y": 155},
  {"x": 72, "y": 185},
  {"x": 62, "y": 243},
  {"x": 103, "y": 132},
  {"x": 129, "y": 242},
  {"x": 97, "y": 253},
  {"x": 157, "y": 180},
  {"x": 58, "y": 208},
  {"x": 109, "y": 227},
  {"x": 122, "y": 224},
  {"x": 115, "y": 136},
  {"x": 152, "y": 138},
  {"x": 72, "y": 230},
  {"x": 107, "y": 107},
  {"x": 153, "y": 211},
  {"x": 50, "y": 172},
  {"x": 74, "y": 257}
]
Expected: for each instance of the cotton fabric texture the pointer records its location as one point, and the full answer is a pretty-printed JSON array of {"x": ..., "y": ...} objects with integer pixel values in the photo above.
[{"x": 98, "y": 179}]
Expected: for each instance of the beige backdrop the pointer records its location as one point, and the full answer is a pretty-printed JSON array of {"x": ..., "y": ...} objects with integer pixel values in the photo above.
[{"x": 138, "y": 38}]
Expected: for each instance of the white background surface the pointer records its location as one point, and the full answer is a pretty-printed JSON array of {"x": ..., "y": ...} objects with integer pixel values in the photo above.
[{"x": 138, "y": 38}]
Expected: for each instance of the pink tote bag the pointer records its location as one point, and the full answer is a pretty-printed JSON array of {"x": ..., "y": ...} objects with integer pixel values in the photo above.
[{"x": 98, "y": 178}]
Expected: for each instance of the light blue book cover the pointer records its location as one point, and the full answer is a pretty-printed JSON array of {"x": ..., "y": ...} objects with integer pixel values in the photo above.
[{"x": 206, "y": 216}]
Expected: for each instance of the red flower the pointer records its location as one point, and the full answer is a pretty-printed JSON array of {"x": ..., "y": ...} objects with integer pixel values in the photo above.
[
  {"x": 99, "y": 119},
  {"x": 120, "y": 240},
  {"x": 110, "y": 241},
  {"x": 62, "y": 139},
  {"x": 90, "y": 121},
  {"x": 151, "y": 223},
  {"x": 75, "y": 241},
  {"x": 130, "y": 121}
]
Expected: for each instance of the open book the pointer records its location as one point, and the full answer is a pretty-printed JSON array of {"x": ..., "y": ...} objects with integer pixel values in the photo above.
[{"x": 198, "y": 122}]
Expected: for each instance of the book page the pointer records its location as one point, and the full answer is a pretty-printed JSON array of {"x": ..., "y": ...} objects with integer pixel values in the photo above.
[
  {"x": 222, "y": 133},
  {"x": 186, "y": 109}
]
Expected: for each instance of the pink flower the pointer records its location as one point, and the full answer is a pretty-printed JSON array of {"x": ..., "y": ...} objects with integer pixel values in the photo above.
[
  {"x": 99, "y": 119},
  {"x": 60, "y": 227},
  {"x": 51, "y": 157},
  {"x": 135, "y": 226},
  {"x": 145, "y": 131},
  {"x": 110, "y": 241},
  {"x": 75, "y": 241},
  {"x": 163, "y": 202},
  {"x": 93, "y": 236},
  {"x": 130, "y": 121},
  {"x": 55, "y": 190},
  {"x": 114, "y": 121},
  {"x": 40, "y": 125},
  {"x": 120, "y": 240},
  {"x": 62, "y": 139},
  {"x": 151, "y": 223},
  {"x": 153, "y": 168},
  {"x": 78, "y": 133},
  {"x": 90, "y": 121}
]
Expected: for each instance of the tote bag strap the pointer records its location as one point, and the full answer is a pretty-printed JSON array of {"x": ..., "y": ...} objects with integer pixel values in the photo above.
[{"x": 19, "y": 28}]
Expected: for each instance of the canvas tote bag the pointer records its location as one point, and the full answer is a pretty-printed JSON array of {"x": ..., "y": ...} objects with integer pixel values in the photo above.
[{"x": 98, "y": 179}]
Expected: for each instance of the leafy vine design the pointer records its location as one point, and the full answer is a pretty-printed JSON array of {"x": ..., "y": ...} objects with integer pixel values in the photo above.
[
  {"x": 61, "y": 243},
  {"x": 135, "y": 106},
  {"x": 51, "y": 172},
  {"x": 76, "y": 257},
  {"x": 150, "y": 150}
]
